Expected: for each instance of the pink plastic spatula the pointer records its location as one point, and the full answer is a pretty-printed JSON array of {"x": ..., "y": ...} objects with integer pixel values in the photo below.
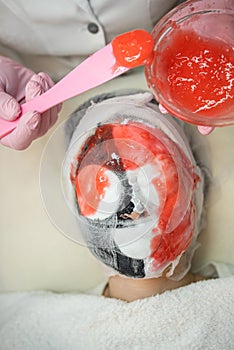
[{"x": 126, "y": 51}]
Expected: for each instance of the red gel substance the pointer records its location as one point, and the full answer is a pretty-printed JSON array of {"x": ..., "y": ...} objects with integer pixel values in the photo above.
[
  {"x": 91, "y": 185},
  {"x": 132, "y": 49},
  {"x": 196, "y": 74},
  {"x": 137, "y": 145}
]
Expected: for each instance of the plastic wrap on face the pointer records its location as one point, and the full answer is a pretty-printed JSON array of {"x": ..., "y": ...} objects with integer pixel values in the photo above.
[{"x": 133, "y": 181}]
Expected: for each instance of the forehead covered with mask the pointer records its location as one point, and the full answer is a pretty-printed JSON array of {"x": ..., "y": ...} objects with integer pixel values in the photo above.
[{"x": 135, "y": 186}]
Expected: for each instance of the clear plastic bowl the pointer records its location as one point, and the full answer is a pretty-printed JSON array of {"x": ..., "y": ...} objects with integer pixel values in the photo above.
[{"x": 192, "y": 70}]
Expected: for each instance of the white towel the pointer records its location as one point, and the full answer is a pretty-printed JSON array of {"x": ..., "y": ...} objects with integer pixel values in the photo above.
[{"x": 199, "y": 316}]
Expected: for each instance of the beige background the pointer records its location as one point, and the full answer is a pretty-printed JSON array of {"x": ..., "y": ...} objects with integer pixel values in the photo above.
[{"x": 34, "y": 254}]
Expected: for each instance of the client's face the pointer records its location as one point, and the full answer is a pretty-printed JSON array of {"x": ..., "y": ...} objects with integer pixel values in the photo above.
[{"x": 134, "y": 182}]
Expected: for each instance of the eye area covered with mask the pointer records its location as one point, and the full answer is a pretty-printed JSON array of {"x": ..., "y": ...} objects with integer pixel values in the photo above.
[{"x": 135, "y": 187}]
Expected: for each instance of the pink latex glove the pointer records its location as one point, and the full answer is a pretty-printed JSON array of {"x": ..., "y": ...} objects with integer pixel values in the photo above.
[
  {"x": 19, "y": 84},
  {"x": 204, "y": 130}
]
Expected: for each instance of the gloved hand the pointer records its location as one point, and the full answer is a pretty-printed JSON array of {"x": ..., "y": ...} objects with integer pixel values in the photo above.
[
  {"x": 19, "y": 84},
  {"x": 204, "y": 130}
]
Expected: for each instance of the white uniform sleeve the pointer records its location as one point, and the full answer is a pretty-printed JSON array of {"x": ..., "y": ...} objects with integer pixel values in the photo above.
[{"x": 54, "y": 36}]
